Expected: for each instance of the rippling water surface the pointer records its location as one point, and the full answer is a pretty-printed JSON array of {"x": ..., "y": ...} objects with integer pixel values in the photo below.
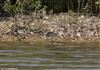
[{"x": 49, "y": 57}]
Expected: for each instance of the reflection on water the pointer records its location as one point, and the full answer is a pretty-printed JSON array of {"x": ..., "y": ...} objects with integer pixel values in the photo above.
[{"x": 65, "y": 57}]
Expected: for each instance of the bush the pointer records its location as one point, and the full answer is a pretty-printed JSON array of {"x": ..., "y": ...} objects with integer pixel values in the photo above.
[
  {"x": 28, "y": 6},
  {"x": 22, "y": 6},
  {"x": 8, "y": 7},
  {"x": 97, "y": 2}
]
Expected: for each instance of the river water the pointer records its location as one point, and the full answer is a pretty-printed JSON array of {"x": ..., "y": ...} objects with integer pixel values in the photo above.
[{"x": 49, "y": 57}]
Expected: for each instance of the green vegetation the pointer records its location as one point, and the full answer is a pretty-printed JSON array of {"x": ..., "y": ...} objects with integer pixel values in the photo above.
[
  {"x": 91, "y": 7},
  {"x": 21, "y": 6}
]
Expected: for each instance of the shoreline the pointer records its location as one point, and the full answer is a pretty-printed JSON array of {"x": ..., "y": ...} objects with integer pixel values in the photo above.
[
  {"x": 42, "y": 40},
  {"x": 51, "y": 28}
]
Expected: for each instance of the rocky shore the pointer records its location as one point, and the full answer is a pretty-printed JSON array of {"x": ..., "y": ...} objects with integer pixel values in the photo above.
[{"x": 57, "y": 27}]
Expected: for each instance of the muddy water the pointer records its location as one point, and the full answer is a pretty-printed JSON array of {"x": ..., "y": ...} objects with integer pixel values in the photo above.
[{"x": 49, "y": 57}]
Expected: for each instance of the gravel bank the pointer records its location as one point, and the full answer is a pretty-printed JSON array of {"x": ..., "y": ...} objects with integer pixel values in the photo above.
[{"x": 57, "y": 27}]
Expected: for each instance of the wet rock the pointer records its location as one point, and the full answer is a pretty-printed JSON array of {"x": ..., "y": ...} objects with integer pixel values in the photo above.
[{"x": 51, "y": 34}]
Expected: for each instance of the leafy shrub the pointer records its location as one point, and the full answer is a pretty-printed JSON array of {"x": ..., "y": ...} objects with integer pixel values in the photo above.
[
  {"x": 22, "y": 6},
  {"x": 29, "y": 6},
  {"x": 8, "y": 7},
  {"x": 97, "y": 2}
]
